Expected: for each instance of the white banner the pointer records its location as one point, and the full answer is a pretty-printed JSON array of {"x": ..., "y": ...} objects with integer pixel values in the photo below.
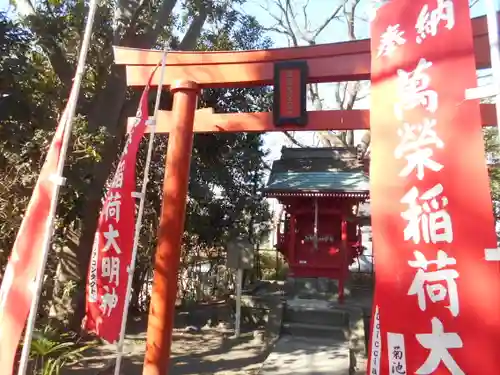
[
  {"x": 376, "y": 350},
  {"x": 396, "y": 353}
]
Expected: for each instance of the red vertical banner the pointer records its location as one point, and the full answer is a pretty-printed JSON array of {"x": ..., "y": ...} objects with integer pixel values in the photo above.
[
  {"x": 18, "y": 282},
  {"x": 437, "y": 294},
  {"x": 113, "y": 242}
]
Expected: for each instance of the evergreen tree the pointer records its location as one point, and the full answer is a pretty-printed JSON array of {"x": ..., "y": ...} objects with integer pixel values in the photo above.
[{"x": 36, "y": 77}]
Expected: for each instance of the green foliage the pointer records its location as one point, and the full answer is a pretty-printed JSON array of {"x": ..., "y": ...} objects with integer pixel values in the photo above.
[
  {"x": 31, "y": 99},
  {"x": 273, "y": 266},
  {"x": 52, "y": 350},
  {"x": 37, "y": 66},
  {"x": 23, "y": 137},
  {"x": 492, "y": 148}
]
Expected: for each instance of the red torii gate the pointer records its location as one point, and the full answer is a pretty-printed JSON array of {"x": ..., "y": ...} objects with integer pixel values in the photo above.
[{"x": 189, "y": 72}]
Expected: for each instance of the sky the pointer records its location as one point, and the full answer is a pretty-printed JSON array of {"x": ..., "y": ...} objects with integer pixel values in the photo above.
[{"x": 316, "y": 13}]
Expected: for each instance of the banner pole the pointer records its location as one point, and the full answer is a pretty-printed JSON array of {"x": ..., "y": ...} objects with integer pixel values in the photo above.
[
  {"x": 492, "y": 21},
  {"x": 66, "y": 121},
  {"x": 138, "y": 223}
]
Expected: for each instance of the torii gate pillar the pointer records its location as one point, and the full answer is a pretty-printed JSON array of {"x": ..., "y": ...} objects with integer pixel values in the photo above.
[{"x": 173, "y": 212}]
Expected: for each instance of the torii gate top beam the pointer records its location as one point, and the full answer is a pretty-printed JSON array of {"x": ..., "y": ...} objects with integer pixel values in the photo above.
[{"x": 327, "y": 62}]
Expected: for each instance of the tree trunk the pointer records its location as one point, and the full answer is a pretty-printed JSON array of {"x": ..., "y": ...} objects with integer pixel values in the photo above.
[
  {"x": 73, "y": 263},
  {"x": 108, "y": 111}
]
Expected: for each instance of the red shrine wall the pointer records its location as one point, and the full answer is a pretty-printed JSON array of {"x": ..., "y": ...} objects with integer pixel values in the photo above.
[{"x": 325, "y": 258}]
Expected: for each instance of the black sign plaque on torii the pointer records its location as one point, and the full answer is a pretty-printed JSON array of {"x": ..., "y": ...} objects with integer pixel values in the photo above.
[{"x": 290, "y": 93}]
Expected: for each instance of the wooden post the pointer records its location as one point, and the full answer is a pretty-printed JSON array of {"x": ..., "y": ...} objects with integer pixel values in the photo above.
[
  {"x": 175, "y": 185},
  {"x": 343, "y": 262},
  {"x": 239, "y": 286},
  {"x": 315, "y": 223},
  {"x": 279, "y": 243},
  {"x": 291, "y": 249}
]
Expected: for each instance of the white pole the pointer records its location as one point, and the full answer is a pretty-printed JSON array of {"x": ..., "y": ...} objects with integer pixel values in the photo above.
[
  {"x": 492, "y": 20},
  {"x": 315, "y": 223},
  {"x": 58, "y": 179},
  {"x": 239, "y": 282},
  {"x": 138, "y": 222}
]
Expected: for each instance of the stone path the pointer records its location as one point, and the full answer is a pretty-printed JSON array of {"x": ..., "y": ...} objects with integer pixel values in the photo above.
[{"x": 307, "y": 356}]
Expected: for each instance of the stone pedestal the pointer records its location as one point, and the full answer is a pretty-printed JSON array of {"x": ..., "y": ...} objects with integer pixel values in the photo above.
[{"x": 315, "y": 288}]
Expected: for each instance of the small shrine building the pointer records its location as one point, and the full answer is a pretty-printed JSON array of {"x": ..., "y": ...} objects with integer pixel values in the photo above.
[{"x": 321, "y": 190}]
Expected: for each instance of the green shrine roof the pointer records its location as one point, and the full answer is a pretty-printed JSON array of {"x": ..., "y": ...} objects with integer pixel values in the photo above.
[
  {"x": 318, "y": 181},
  {"x": 318, "y": 170}
]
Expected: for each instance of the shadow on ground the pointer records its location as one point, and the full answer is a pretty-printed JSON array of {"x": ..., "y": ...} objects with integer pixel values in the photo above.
[
  {"x": 202, "y": 344},
  {"x": 206, "y": 352}
]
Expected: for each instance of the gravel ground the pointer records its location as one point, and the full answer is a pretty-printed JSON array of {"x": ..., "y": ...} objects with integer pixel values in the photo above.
[{"x": 194, "y": 351}]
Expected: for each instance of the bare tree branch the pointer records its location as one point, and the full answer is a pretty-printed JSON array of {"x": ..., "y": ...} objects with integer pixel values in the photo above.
[
  {"x": 293, "y": 15},
  {"x": 473, "y": 3},
  {"x": 326, "y": 23},
  {"x": 288, "y": 14},
  {"x": 351, "y": 89},
  {"x": 304, "y": 13},
  {"x": 286, "y": 23},
  {"x": 314, "y": 96},
  {"x": 294, "y": 141},
  {"x": 25, "y": 8},
  {"x": 349, "y": 11}
]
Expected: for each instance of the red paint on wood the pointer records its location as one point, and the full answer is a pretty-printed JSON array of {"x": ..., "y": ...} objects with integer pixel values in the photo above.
[
  {"x": 208, "y": 122},
  {"x": 168, "y": 252},
  {"x": 327, "y": 63},
  {"x": 289, "y": 93},
  {"x": 335, "y": 251}
]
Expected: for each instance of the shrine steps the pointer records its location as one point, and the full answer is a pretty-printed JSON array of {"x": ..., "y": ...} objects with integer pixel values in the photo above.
[
  {"x": 316, "y": 288},
  {"x": 313, "y": 318},
  {"x": 314, "y": 340},
  {"x": 314, "y": 330},
  {"x": 319, "y": 335},
  {"x": 322, "y": 316}
]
